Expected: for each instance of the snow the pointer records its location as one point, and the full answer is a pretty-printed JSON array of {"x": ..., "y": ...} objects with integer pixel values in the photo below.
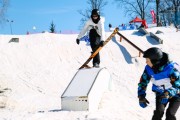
[{"x": 36, "y": 71}]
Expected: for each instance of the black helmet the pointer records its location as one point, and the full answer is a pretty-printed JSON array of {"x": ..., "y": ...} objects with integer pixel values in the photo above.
[
  {"x": 154, "y": 54},
  {"x": 95, "y": 12}
]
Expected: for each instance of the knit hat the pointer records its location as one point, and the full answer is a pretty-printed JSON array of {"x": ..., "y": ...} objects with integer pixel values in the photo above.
[{"x": 95, "y": 12}]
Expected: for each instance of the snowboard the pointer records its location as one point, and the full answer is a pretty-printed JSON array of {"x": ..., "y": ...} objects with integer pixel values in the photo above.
[
  {"x": 85, "y": 38},
  {"x": 98, "y": 49}
]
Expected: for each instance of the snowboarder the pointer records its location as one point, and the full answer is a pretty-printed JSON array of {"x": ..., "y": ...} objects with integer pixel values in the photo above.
[
  {"x": 95, "y": 26},
  {"x": 165, "y": 77}
]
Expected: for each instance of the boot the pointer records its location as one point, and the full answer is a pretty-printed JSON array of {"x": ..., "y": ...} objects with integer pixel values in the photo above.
[{"x": 96, "y": 65}]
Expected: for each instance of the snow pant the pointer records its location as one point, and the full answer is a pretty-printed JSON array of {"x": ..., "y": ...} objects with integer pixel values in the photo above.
[
  {"x": 171, "y": 110},
  {"x": 95, "y": 40}
]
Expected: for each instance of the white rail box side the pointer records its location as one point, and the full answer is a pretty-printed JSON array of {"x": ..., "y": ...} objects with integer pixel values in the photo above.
[{"x": 85, "y": 90}]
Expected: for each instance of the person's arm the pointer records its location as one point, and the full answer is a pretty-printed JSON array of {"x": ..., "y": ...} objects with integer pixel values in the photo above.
[
  {"x": 84, "y": 30},
  {"x": 143, "y": 83},
  {"x": 144, "y": 80},
  {"x": 175, "y": 81},
  {"x": 174, "y": 90}
]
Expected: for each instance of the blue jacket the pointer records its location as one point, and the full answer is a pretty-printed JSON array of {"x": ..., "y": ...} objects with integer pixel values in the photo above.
[{"x": 165, "y": 79}]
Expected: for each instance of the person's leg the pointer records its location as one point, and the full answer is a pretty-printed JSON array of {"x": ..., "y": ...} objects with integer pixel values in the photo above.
[
  {"x": 94, "y": 42},
  {"x": 159, "y": 111},
  {"x": 172, "y": 109},
  {"x": 94, "y": 37},
  {"x": 96, "y": 59}
]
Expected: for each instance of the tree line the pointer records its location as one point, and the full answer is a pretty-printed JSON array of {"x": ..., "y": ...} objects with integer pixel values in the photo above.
[{"x": 131, "y": 8}]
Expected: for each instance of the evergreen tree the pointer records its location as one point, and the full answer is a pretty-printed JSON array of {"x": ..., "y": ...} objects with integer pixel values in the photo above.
[{"x": 52, "y": 28}]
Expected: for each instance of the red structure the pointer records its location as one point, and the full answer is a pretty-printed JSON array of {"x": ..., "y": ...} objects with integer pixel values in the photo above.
[{"x": 143, "y": 22}]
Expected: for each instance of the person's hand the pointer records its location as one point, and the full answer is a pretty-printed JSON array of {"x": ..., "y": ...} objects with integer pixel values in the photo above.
[
  {"x": 165, "y": 98},
  {"x": 101, "y": 43},
  {"x": 77, "y": 41},
  {"x": 143, "y": 102},
  {"x": 142, "y": 97}
]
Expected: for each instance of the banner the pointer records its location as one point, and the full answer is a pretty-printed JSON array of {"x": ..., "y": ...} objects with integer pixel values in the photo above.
[{"x": 153, "y": 16}]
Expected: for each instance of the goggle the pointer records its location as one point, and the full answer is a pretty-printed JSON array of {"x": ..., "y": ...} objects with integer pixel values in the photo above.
[{"x": 94, "y": 16}]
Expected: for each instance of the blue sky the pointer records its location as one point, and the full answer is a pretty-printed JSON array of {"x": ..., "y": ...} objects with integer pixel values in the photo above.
[{"x": 64, "y": 13}]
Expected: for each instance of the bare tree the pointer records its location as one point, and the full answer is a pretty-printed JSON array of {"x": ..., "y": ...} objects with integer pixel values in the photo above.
[
  {"x": 93, "y": 4},
  {"x": 176, "y": 5},
  {"x": 161, "y": 5},
  {"x": 157, "y": 11},
  {"x": 165, "y": 6},
  {"x": 3, "y": 8},
  {"x": 135, "y": 7}
]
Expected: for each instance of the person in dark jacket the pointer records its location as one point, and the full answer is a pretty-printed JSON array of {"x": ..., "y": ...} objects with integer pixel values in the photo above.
[
  {"x": 165, "y": 77},
  {"x": 95, "y": 26}
]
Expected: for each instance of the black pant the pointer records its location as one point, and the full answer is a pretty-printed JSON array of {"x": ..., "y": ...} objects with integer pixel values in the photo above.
[
  {"x": 171, "y": 110},
  {"x": 95, "y": 39}
]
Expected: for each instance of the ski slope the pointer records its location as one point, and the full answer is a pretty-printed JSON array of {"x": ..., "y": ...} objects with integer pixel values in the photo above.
[{"x": 36, "y": 70}]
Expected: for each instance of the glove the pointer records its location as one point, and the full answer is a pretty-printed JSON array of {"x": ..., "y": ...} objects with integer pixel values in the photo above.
[
  {"x": 165, "y": 98},
  {"x": 143, "y": 101},
  {"x": 77, "y": 41},
  {"x": 101, "y": 43}
]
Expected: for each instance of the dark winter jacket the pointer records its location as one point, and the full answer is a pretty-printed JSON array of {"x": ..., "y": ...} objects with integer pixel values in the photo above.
[{"x": 165, "y": 77}]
